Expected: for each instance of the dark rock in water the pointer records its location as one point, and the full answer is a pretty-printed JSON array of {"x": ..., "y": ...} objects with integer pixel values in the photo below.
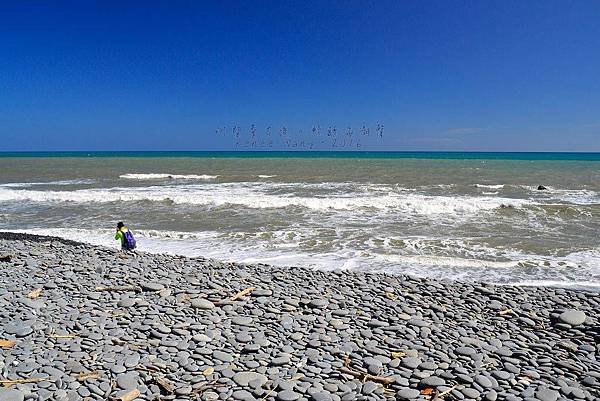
[
  {"x": 541, "y": 188},
  {"x": 5, "y": 258}
]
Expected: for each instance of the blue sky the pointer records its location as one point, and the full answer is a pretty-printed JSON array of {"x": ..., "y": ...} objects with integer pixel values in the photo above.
[{"x": 439, "y": 75}]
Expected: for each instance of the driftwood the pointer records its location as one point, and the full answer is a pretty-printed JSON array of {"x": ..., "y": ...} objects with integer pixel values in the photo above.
[
  {"x": 35, "y": 293},
  {"x": 8, "y": 383},
  {"x": 236, "y": 297},
  {"x": 391, "y": 296},
  {"x": 90, "y": 375},
  {"x": 242, "y": 293},
  {"x": 443, "y": 394},
  {"x": 206, "y": 386},
  {"x": 7, "y": 343},
  {"x": 363, "y": 376},
  {"x": 163, "y": 383}
]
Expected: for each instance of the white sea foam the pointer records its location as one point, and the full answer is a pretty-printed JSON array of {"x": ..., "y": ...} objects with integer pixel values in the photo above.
[
  {"x": 580, "y": 285},
  {"x": 258, "y": 196},
  {"x": 448, "y": 261},
  {"x": 578, "y": 197},
  {"x": 164, "y": 176},
  {"x": 498, "y": 186},
  {"x": 469, "y": 262},
  {"x": 266, "y": 176}
]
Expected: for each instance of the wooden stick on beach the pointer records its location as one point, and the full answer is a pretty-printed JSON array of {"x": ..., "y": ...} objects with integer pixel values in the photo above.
[
  {"x": 443, "y": 394},
  {"x": 367, "y": 377},
  {"x": 241, "y": 294},
  {"x": 236, "y": 297},
  {"x": 8, "y": 383}
]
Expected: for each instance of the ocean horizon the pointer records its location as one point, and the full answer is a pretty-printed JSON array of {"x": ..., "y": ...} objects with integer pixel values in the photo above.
[{"x": 368, "y": 154}]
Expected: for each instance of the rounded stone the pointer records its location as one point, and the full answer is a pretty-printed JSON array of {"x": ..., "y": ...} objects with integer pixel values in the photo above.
[
  {"x": 470, "y": 393},
  {"x": 149, "y": 286},
  {"x": 127, "y": 381},
  {"x": 244, "y": 378},
  {"x": 243, "y": 395},
  {"x": 432, "y": 381},
  {"x": 288, "y": 395},
  {"x": 223, "y": 356},
  {"x": 201, "y": 303},
  {"x": 319, "y": 303},
  {"x": 501, "y": 374},
  {"x": 483, "y": 381},
  {"x": 7, "y": 394},
  {"x": 280, "y": 360},
  {"x": 118, "y": 369},
  {"x": 545, "y": 394},
  {"x": 368, "y": 388},
  {"x": 242, "y": 320},
  {"x": 492, "y": 395},
  {"x": 467, "y": 351},
  {"x": 407, "y": 394},
  {"x": 411, "y": 362},
  {"x": 572, "y": 317},
  {"x": 321, "y": 396}
]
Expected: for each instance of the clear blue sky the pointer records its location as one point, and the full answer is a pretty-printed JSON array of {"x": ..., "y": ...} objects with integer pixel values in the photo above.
[{"x": 440, "y": 75}]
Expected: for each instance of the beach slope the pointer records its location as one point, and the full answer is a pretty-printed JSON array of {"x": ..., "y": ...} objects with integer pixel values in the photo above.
[{"x": 85, "y": 322}]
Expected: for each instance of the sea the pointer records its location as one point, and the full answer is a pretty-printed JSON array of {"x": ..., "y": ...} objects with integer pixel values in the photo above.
[{"x": 445, "y": 215}]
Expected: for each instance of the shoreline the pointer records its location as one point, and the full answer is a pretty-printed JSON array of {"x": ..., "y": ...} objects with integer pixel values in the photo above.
[
  {"x": 572, "y": 286},
  {"x": 167, "y": 326}
]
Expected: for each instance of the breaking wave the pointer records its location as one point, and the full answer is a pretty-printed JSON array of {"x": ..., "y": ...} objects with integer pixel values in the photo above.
[
  {"x": 258, "y": 197},
  {"x": 49, "y": 183}
]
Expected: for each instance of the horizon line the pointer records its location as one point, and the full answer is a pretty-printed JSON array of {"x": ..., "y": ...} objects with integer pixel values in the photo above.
[{"x": 298, "y": 151}]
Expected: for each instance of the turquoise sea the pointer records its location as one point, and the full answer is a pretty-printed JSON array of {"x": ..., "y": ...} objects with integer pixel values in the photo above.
[
  {"x": 450, "y": 215},
  {"x": 581, "y": 156}
]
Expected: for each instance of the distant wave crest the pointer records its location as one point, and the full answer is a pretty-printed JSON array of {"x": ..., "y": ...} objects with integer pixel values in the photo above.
[
  {"x": 32, "y": 184},
  {"x": 165, "y": 176}
]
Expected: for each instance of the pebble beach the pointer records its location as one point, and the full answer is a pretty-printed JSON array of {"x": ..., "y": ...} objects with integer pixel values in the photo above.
[{"x": 83, "y": 322}]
